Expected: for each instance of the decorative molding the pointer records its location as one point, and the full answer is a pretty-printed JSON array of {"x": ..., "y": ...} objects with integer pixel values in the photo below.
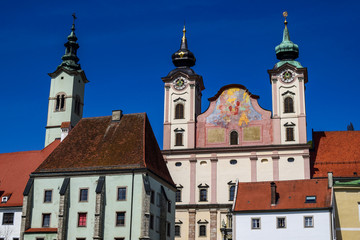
[
  {"x": 179, "y": 130},
  {"x": 287, "y": 92},
  {"x": 203, "y": 186},
  {"x": 180, "y": 99},
  {"x": 202, "y": 222},
  {"x": 179, "y": 186},
  {"x": 291, "y": 124},
  {"x": 231, "y": 183},
  {"x": 179, "y": 222}
]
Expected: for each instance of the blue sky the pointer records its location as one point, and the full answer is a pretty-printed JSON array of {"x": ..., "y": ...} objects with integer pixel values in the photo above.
[{"x": 126, "y": 47}]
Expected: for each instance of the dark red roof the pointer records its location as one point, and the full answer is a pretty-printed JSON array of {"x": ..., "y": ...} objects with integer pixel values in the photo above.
[
  {"x": 15, "y": 169},
  {"x": 101, "y": 144},
  {"x": 291, "y": 195},
  {"x": 337, "y": 152}
]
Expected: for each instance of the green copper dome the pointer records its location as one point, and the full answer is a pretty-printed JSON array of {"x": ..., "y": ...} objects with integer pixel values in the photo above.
[{"x": 287, "y": 51}]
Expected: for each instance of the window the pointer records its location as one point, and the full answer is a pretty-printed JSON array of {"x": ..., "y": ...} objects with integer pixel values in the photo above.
[
  {"x": 152, "y": 197},
  {"x": 121, "y": 194},
  {"x": 255, "y": 223},
  {"x": 77, "y": 105},
  {"x": 177, "y": 231},
  {"x": 47, "y": 196},
  {"x": 46, "y": 220},
  {"x": 36, "y": 239},
  {"x": 82, "y": 219},
  {"x": 15, "y": 238},
  {"x": 60, "y": 102},
  {"x": 202, "y": 231},
  {"x": 8, "y": 219},
  {"x": 308, "y": 221},
  {"x": 83, "y": 195},
  {"x": 234, "y": 138},
  {"x": 288, "y": 105},
  {"x": 169, "y": 206},
  {"x": 203, "y": 194},
  {"x": 178, "y": 195},
  {"x": 168, "y": 229},
  {"x": 178, "y": 139},
  {"x": 310, "y": 199},
  {"x": 151, "y": 221},
  {"x": 231, "y": 193},
  {"x": 289, "y": 134},
  {"x": 119, "y": 238},
  {"x": 120, "y": 219},
  {"x": 80, "y": 238},
  {"x": 179, "y": 111},
  {"x": 178, "y": 164},
  {"x": 281, "y": 222},
  {"x": 291, "y": 159},
  {"x": 233, "y": 162}
]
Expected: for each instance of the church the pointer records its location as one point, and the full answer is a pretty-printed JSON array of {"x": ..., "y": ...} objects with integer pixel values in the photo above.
[{"x": 233, "y": 139}]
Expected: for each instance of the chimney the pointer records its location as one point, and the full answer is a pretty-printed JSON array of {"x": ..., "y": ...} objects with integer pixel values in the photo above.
[
  {"x": 330, "y": 180},
  {"x": 273, "y": 193},
  {"x": 116, "y": 115}
]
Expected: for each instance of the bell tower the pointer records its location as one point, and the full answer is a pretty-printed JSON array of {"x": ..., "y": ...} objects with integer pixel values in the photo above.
[
  {"x": 182, "y": 100},
  {"x": 66, "y": 99},
  {"x": 288, "y": 78}
]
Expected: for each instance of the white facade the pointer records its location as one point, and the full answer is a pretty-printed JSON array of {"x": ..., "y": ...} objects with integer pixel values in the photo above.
[
  {"x": 8, "y": 230},
  {"x": 294, "y": 225}
]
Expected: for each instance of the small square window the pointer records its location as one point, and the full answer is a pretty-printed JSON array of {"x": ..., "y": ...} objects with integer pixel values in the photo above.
[
  {"x": 308, "y": 221},
  {"x": 83, "y": 195},
  {"x": 82, "y": 219},
  {"x": 280, "y": 222},
  {"x": 255, "y": 223},
  {"x": 8, "y": 219},
  {"x": 121, "y": 194},
  {"x": 46, "y": 220},
  {"x": 120, "y": 219},
  {"x": 47, "y": 196}
]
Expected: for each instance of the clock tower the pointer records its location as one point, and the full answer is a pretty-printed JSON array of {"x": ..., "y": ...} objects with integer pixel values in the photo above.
[
  {"x": 182, "y": 100},
  {"x": 67, "y": 88},
  {"x": 288, "y": 80}
]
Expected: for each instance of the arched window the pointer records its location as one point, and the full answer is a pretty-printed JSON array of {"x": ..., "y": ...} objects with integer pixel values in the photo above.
[
  {"x": 77, "y": 105},
  {"x": 179, "y": 111},
  {"x": 288, "y": 105},
  {"x": 178, "y": 139},
  {"x": 234, "y": 138},
  {"x": 231, "y": 193},
  {"x": 60, "y": 102}
]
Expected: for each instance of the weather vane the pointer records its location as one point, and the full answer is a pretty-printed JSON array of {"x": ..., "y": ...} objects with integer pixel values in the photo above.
[{"x": 285, "y": 14}]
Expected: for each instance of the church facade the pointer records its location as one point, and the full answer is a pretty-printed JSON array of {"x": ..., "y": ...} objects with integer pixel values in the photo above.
[{"x": 235, "y": 138}]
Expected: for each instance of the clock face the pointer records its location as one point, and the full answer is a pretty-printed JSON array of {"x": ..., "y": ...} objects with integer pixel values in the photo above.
[
  {"x": 287, "y": 76},
  {"x": 179, "y": 83}
]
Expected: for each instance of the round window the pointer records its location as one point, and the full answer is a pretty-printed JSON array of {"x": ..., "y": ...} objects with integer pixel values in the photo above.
[
  {"x": 178, "y": 164},
  {"x": 233, "y": 162},
  {"x": 291, "y": 159}
]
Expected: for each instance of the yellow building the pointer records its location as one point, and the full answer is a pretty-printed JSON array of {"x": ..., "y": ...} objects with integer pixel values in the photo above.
[{"x": 347, "y": 207}]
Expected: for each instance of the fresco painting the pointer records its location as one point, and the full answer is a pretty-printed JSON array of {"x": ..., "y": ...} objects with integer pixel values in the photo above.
[
  {"x": 251, "y": 134},
  {"x": 215, "y": 135},
  {"x": 233, "y": 106}
]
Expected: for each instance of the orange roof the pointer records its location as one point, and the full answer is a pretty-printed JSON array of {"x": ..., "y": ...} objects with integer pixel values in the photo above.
[
  {"x": 15, "y": 169},
  {"x": 337, "y": 152},
  {"x": 65, "y": 125},
  {"x": 291, "y": 195},
  {"x": 99, "y": 143}
]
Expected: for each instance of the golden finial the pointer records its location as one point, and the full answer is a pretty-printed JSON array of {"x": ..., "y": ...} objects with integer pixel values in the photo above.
[
  {"x": 285, "y": 14},
  {"x": 184, "y": 31}
]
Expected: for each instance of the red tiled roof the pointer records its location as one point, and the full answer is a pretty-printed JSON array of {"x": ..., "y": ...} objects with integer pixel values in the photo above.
[
  {"x": 15, "y": 169},
  {"x": 65, "y": 125},
  {"x": 41, "y": 230},
  {"x": 101, "y": 144},
  {"x": 256, "y": 196},
  {"x": 337, "y": 152}
]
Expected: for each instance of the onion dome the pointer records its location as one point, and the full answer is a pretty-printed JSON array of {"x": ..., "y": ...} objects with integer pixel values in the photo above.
[
  {"x": 70, "y": 59},
  {"x": 287, "y": 51},
  {"x": 183, "y": 57}
]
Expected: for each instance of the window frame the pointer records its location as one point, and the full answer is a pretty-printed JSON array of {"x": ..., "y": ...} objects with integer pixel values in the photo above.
[
  {"x": 45, "y": 191},
  {"x": 7, "y": 218},
  {"x": 117, "y": 220},
  {"x": 43, "y": 220},
  {"x": 201, "y": 196},
  {"x": 80, "y": 223},
  {"x": 278, "y": 225},
  {"x": 87, "y": 194},
  {"x": 202, "y": 230},
  {"x": 117, "y": 193},
  {"x": 258, "y": 223},
  {"x": 179, "y": 111},
  {"x": 312, "y": 221}
]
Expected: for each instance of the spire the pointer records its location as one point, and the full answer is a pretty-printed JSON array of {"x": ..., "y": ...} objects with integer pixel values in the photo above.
[
  {"x": 70, "y": 59},
  {"x": 287, "y": 51},
  {"x": 183, "y": 57}
]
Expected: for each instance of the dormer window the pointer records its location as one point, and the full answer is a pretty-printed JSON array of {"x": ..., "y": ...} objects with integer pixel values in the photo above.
[
  {"x": 4, "y": 199},
  {"x": 310, "y": 199}
]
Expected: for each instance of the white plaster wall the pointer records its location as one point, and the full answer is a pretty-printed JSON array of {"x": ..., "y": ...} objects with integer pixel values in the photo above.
[
  {"x": 291, "y": 170},
  {"x": 264, "y": 169},
  {"x": 203, "y": 176},
  {"x": 177, "y": 174},
  {"x": 294, "y": 226},
  {"x": 183, "y": 216},
  {"x": 11, "y": 231}
]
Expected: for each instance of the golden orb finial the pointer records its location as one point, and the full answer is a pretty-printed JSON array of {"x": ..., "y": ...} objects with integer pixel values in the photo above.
[{"x": 285, "y": 14}]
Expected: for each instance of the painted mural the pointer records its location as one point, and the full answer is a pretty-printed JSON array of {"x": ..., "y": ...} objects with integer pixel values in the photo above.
[{"x": 233, "y": 106}]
